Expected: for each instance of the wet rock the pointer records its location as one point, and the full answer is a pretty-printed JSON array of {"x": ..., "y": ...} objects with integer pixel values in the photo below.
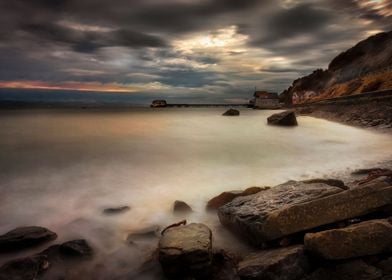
[
  {"x": 386, "y": 266},
  {"x": 231, "y": 112},
  {"x": 24, "y": 269},
  {"x": 296, "y": 206},
  {"x": 369, "y": 170},
  {"x": 350, "y": 270},
  {"x": 226, "y": 197},
  {"x": 286, "y": 118},
  {"x": 186, "y": 251},
  {"x": 181, "y": 207},
  {"x": 224, "y": 265},
  {"x": 76, "y": 248},
  {"x": 288, "y": 263},
  {"x": 116, "y": 210},
  {"x": 331, "y": 182},
  {"x": 147, "y": 232},
  {"x": 24, "y": 237},
  {"x": 362, "y": 239}
]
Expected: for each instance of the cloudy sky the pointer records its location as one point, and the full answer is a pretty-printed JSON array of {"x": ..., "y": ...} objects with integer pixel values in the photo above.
[{"x": 183, "y": 50}]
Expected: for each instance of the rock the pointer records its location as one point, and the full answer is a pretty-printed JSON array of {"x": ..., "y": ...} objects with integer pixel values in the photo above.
[
  {"x": 296, "y": 206},
  {"x": 116, "y": 210},
  {"x": 226, "y": 197},
  {"x": 350, "y": 270},
  {"x": 288, "y": 263},
  {"x": 181, "y": 207},
  {"x": 147, "y": 232},
  {"x": 24, "y": 237},
  {"x": 363, "y": 239},
  {"x": 331, "y": 182},
  {"x": 286, "y": 118},
  {"x": 369, "y": 170},
  {"x": 231, "y": 112},
  {"x": 76, "y": 248},
  {"x": 386, "y": 266},
  {"x": 186, "y": 251},
  {"x": 24, "y": 269},
  {"x": 224, "y": 266}
]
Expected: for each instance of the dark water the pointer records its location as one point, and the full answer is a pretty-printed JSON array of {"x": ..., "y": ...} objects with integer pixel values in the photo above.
[{"x": 61, "y": 168}]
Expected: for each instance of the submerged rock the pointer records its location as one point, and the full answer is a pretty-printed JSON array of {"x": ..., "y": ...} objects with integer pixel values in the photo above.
[
  {"x": 288, "y": 263},
  {"x": 24, "y": 237},
  {"x": 226, "y": 197},
  {"x": 146, "y": 232},
  {"x": 24, "y": 269},
  {"x": 296, "y": 206},
  {"x": 77, "y": 248},
  {"x": 231, "y": 112},
  {"x": 116, "y": 210},
  {"x": 362, "y": 239},
  {"x": 181, "y": 207},
  {"x": 286, "y": 118},
  {"x": 186, "y": 251}
]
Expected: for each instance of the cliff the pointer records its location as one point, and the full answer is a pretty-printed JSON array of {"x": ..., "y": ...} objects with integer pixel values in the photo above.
[{"x": 365, "y": 67}]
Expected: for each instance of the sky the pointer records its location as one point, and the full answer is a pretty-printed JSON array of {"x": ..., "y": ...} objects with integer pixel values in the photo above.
[{"x": 180, "y": 50}]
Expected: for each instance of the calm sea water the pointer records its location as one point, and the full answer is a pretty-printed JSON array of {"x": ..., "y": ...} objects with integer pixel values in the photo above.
[{"x": 60, "y": 168}]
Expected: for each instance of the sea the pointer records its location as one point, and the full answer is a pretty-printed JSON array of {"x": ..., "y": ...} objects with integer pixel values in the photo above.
[{"x": 60, "y": 168}]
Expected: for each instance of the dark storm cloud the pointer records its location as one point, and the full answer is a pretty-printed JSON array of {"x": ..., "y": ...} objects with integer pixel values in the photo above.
[
  {"x": 127, "y": 41},
  {"x": 299, "y": 20},
  {"x": 367, "y": 10}
]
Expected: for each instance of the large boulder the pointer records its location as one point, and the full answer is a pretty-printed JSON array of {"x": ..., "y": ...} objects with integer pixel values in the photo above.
[
  {"x": 286, "y": 118},
  {"x": 186, "y": 251},
  {"x": 225, "y": 197},
  {"x": 289, "y": 263},
  {"x": 28, "y": 268},
  {"x": 24, "y": 237},
  {"x": 297, "y": 206},
  {"x": 362, "y": 239},
  {"x": 231, "y": 113}
]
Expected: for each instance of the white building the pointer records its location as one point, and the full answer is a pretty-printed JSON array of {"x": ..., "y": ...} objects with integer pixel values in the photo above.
[{"x": 266, "y": 100}]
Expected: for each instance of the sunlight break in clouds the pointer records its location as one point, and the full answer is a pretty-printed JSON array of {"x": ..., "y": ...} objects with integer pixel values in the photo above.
[{"x": 225, "y": 39}]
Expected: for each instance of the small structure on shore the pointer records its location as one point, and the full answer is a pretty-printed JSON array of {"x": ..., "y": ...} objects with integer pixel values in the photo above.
[
  {"x": 158, "y": 103},
  {"x": 266, "y": 100}
]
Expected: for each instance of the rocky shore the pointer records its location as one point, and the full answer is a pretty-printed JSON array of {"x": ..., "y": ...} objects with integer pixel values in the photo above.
[
  {"x": 367, "y": 113},
  {"x": 314, "y": 229},
  {"x": 311, "y": 230}
]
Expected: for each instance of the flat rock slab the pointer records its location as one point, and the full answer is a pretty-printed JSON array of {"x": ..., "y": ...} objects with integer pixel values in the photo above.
[
  {"x": 289, "y": 263},
  {"x": 186, "y": 251},
  {"x": 286, "y": 118},
  {"x": 25, "y": 237},
  {"x": 362, "y": 239},
  {"x": 298, "y": 206},
  {"x": 225, "y": 197}
]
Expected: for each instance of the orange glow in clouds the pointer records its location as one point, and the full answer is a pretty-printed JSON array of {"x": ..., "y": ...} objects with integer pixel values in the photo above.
[{"x": 81, "y": 86}]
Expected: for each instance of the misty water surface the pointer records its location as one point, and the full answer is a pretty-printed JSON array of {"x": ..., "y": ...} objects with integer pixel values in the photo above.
[{"x": 61, "y": 168}]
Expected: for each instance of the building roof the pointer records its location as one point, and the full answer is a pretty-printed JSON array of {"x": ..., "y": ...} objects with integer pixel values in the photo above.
[{"x": 265, "y": 94}]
